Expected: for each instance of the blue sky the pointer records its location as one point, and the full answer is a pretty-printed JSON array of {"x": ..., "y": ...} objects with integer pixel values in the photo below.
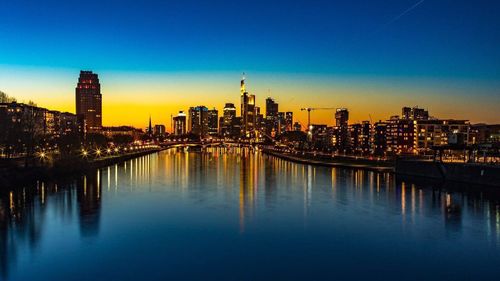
[{"x": 436, "y": 40}]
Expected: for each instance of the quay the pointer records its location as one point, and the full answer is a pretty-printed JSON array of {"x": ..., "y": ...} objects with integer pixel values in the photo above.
[{"x": 13, "y": 175}]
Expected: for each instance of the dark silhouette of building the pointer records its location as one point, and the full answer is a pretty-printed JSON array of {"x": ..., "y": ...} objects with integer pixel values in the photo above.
[
  {"x": 159, "y": 130},
  {"x": 341, "y": 129},
  {"x": 89, "y": 101},
  {"x": 213, "y": 122},
  {"x": 379, "y": 138},
  {"x": 229, "y": 119},
  {"x": 289, "y": 121},
  {"x": 359, "y": 138},
  {"x": 281, "y": 123},
  {"x": 483, "y": 133},
  {"x": 198, "y": 120},
  {"x": 271, "y": 116},
  {"x": 297, "y": 126},
  {"x": 414, "y": 113},
  {"x": 247, "y": 110},
  {"x": 260, "y": 122}
]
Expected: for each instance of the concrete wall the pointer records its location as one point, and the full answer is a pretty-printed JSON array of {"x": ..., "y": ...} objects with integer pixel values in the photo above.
[{"x": 468, "y": 173}]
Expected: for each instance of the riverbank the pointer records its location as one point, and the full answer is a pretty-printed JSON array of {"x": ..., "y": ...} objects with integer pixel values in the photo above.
[
  {"x": 477, "y": 174},
  {"x": 65, "y": 167},
  {"x": 378, "y": 165}
]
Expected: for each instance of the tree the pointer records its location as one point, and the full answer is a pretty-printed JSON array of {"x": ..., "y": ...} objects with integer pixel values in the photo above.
[
  {"x": 122, "y": 139},
  {"x": 4, "y": 98},
  {"x": 32, "y": 123},
  {"x": 96, "y": 140}
]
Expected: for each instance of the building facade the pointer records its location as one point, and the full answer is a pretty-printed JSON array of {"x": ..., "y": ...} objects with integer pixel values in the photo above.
[
  {"x": 430, "y": 133},
  {"x": 198, "y": 120},
  {"x": 180, "y": 124},
  {"x": 89, "y": 101},
  {"x": 229, "y": 119},
  {"x": 213, "y": 122},
  {"x": 247, "y": 111},
  {"x": 271, "y": 117},
  {"x": 341, "y": 129}
]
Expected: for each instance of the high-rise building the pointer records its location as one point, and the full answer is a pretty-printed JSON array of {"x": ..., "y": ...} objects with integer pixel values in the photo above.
[
  {"x": 359, "y": 137},
  {"x": 414, "y": 113},
  {"x": 271, "y": 116},
  {"x": 289, "y": 120},
  {"x": 341, "y": 128},
  {"x": 341, "y": 117},
  {"x": 213, "y": 122},
  {"x": 198, "y": 120},
  {"x": 180, "y": 124},
  {"x": 229, "y": 117},
  {"x": 247, "y": 110},
  {"x": 159, "y": 130},
  {"x": 379, "y": 139},
  {"x": 281, "y": 123},
  {"x": 89, "y": 101},
  {"x": 400, "y": 135}
]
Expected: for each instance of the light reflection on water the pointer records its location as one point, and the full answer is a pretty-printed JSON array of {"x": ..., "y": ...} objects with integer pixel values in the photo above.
[{"x": 244, "y": 209}]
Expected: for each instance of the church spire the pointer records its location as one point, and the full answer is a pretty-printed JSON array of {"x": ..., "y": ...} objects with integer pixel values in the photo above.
[{"x": 150, "y": 128}]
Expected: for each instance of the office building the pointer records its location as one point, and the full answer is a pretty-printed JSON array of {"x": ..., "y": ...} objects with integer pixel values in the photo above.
[
  {"x": 198, "y": 120},
  {"x": 180, "y": 124},
  {"x": 89, "y": 101},
  {"x": 289, "y": 121},
  {"x": 229, "y": 119},
  {"x": 341, "y": 129},
  {"x": 247, "y": 110},
  {"x": 213, "y": 122},
  {"x": 271, "y": 117},
  {"x": 414, "y": 113}
]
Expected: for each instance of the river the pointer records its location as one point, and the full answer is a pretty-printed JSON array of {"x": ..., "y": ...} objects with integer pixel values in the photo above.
[{"x": 241, "y": 215}]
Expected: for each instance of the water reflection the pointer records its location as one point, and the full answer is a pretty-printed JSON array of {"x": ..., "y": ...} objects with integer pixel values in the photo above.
[{"x": 255, "y": 183}]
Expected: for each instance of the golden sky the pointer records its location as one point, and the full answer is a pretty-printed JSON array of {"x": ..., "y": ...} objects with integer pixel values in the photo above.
[{"x": 130, "y": 97}]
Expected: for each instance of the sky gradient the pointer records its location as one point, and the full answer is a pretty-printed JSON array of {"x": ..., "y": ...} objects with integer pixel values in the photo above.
[{"x": 158, "y": 57}]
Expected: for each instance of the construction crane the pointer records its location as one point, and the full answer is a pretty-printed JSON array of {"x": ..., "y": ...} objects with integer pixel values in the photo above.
[{"x": 309, "y": 109}]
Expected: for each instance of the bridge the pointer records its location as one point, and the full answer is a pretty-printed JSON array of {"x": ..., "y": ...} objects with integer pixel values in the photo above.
[{"x": 202, "y": 144}]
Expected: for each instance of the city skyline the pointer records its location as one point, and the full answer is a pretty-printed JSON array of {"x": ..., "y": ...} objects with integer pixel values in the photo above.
[
  {"x": 116, "y": 107},
  {"x": 442, "y": 56},
  {"x": 283, "y": 139}
]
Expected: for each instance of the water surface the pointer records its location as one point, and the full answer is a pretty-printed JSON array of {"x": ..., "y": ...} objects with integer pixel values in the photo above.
[{"x": 238, "y": 215}]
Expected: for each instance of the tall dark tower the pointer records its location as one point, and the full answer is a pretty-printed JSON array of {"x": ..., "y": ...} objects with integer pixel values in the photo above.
[
  {"x": 247, "y": 110},
  {"x": 89, "y": 101}
]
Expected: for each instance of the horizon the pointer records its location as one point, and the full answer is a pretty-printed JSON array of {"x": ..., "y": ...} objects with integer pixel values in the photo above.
[{"x": 372, "y": 58}]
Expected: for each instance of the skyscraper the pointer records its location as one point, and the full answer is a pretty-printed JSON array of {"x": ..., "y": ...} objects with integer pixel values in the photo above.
[
  {"x": 89, "y": 101},
  {"x": 213, "y": 120},
  {"x": 281, "y": 123},
  {"x": 341, "y": 124},
  {"x": 180, "y": 124},
  {"x": 247, "y": 110},
  {"x": 198, "y": 120},
  {"x": 229, "y": 117},
  {"x": 271, "y": 116},
  {"x": 289, "y": 120}
]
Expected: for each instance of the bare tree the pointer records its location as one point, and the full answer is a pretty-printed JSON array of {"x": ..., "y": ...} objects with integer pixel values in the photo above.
[{"x": 4, "y": 98}]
